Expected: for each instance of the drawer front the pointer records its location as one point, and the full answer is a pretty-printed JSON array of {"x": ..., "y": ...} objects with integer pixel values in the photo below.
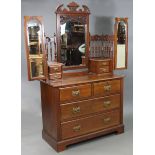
[
  {"x": 103, "y": 63},
  {"x": 104, "y": 69},
  {"x": 72, "y": 110},
  {"x": 107, "y": 88},
  {"x": 90, "y": 124},
  {"x": 55, "y": 76},
  {"x": 75, "y": 92},
  {"x": 55, "y": 69}
]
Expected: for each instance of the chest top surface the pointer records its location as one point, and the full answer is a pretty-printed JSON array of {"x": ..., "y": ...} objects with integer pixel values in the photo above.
[{"x": 66, "y": 81}]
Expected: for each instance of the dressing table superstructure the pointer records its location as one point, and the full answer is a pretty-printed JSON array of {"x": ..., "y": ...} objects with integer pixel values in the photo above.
[{"x": 81, "y": 99}]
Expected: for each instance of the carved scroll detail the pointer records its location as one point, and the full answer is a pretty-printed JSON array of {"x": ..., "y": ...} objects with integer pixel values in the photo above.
[{"x": 72, "y": 7}]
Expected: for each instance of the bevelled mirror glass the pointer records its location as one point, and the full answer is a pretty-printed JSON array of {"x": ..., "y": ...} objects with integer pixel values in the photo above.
[
  {"x": 37, "y": 68},
  {"x": 72, "y": 42},
  {"x": 34, "y": 36},
  {"x": 121, "y": 43},
  {"x": 34, "y": 42}
]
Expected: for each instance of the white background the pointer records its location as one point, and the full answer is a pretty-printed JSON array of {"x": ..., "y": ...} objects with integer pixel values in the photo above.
[{"x": 144, "y": 77}]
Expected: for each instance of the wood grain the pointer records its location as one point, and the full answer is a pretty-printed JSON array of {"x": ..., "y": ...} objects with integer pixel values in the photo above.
[{"x": 90, "y": 124}]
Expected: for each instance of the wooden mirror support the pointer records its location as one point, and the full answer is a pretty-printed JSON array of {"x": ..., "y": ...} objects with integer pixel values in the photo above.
[
  {"x": 35, "y": 47},
  {"x": 75, "y": 36},
  {"x": 120, "y": 43}
]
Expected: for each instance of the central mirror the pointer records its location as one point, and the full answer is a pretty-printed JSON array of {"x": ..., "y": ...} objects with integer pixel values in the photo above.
[
  {"x": 72, "y": 40},
  {"x": 72, "y": 36}
]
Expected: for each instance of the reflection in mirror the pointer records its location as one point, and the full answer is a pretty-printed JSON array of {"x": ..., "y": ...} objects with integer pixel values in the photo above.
[
  {"x": 72, "y": 40},
  {"x": 121, "y": 33},
  {"x": 34, "y": 36},
  {"x": 121, "y": 43},
  {"x": 36, "y": 66},
  {"x": 101, "y": 40},
  {"x": 121, "y": 39}
]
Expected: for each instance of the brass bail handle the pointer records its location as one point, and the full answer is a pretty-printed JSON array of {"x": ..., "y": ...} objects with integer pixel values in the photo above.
[
  {"x": 77, "y": 128},
  {"x": 76, "y": 92},
  {"x": 107, "y": 120},
  {"x": 107, "y": 103},
  {"x": 107, "y": 87},
  {"x": 76, "y": 110}
]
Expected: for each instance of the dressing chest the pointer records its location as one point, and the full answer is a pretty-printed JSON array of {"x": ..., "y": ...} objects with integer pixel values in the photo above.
[
  {"x": 81, "y": 97},
  {"x": 80, "y": 108}
]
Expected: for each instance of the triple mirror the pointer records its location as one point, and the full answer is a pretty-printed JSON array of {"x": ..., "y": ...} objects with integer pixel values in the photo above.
[{"x": 73, "y": 41}]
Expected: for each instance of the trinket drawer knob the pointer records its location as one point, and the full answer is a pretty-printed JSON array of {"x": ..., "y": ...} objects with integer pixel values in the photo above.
[
  {"x": 103, "y": 69},
  {"x": 104, "y": 63},
  {"x": 55, "y": 69},
  {"x": 55, "y": 76}
]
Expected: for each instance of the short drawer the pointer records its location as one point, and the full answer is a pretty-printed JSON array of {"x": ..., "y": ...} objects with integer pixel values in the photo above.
[
  {"x": 73, "y": 110},
  {"x": 103, "y": 63},
  {"x": 55, "y": 69},
  {"x": 107, "y": 88},
  {"x": 90, "y": 124},
  {"x": 55, "y": 76},
  {"x": 75, "y": 92},
  {"x": 104, "y": 69}
]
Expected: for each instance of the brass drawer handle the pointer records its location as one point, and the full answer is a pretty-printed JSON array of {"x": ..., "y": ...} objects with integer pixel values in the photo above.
[
  {"x": 107, "y": 88},
  {"x": 56, "y": 69},
  {"x": 76, "y": 110},
  {"x": 106, "y": 120},
  {"x": 75, "y": 92},
  {"x": 107, "y": 103},
  {"x": 77, "y": 128}
]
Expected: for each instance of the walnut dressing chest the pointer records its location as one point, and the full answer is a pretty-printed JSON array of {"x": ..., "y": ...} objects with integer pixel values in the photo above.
[{"x": 80, "y": 108}]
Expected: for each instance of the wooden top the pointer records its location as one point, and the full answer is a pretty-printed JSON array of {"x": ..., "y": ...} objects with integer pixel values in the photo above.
[
  {"x": 55, "y": 64},
  {"x": 99, "y": 59},
  {"x": 66, "y": 81}
]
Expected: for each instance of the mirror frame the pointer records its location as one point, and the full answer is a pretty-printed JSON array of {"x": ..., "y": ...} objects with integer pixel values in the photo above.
[
  {"x": 72, "y": 10},
  {"x": 43, "y": 57},
  {"x": 117, "y": 20}
]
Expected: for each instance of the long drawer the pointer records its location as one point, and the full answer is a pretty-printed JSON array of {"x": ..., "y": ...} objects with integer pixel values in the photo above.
[
  {"x": 107, "y": 88},
  {"x": 90, "y": 124},
  {"x": 75, "y": 92},
  {"x": 72, "y": 110}
]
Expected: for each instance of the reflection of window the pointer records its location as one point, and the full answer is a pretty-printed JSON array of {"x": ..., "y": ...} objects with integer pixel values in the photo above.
[{"x": 63, "y": 29}]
